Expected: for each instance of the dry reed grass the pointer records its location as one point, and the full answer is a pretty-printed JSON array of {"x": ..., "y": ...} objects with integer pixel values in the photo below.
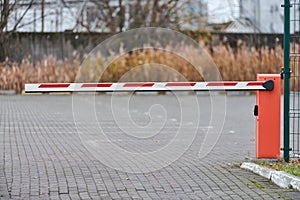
[
  {"x": 239, "y": 64},
  {"x": 14, "y": 76}
]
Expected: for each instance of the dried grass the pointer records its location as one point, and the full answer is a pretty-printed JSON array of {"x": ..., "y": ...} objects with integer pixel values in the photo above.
[
  {"x": 14, "y": 76},
  {"x": 238, "y": 64}
]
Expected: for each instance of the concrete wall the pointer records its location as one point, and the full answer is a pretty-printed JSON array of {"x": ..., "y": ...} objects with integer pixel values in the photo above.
[
  {"x": 60, "y": 45},
  {"x": 63, "y": 45}
]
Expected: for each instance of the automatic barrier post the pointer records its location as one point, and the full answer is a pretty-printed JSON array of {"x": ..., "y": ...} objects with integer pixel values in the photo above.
[{"x": 268, "y": 119}]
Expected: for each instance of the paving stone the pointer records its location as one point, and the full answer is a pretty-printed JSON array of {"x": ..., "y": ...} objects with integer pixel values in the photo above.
[{"x": 43, "y": 157}]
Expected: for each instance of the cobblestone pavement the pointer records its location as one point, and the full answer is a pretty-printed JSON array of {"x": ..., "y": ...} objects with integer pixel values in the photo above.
[{"x": 42, "y": 156}]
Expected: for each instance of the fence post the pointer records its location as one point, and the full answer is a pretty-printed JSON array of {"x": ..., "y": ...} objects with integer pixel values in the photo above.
[
  {"x": 268, "y": 118},
  {"x": 286, "y": 72}
]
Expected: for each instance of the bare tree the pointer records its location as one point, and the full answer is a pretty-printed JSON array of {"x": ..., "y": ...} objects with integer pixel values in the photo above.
[
  {"x": 7, "y": 7},
  {"x": 121, "y": 15}
]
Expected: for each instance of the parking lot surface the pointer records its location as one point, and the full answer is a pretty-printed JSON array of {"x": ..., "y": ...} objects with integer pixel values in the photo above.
[{"x": 51, "y": 148}]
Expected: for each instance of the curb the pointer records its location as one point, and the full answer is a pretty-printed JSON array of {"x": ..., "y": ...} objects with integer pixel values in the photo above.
[
  {"x": 8, "y": 92},
  {"x": 280, "y": 178}
]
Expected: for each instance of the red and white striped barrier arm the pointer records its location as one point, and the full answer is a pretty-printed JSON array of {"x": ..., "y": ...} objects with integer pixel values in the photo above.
[{"x": 148, "y": 86}]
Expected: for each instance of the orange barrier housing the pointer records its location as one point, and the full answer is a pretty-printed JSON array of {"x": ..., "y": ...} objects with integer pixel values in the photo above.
[{"x": 268, "y": 119}]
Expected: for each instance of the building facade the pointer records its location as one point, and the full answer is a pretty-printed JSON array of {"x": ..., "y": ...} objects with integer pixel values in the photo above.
[{"x": 259, "y": 16}]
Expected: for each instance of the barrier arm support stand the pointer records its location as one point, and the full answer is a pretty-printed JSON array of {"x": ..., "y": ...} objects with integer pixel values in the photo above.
[{"x": 267, "y": 110}]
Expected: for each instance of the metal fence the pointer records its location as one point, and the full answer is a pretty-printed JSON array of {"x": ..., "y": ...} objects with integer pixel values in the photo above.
[{"x": 291, "y": 79}]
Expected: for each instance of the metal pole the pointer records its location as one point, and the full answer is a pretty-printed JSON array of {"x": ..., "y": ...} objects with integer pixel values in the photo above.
[
  {"x": 286, "y": 71},
  {"x": 43, "y": 15}
]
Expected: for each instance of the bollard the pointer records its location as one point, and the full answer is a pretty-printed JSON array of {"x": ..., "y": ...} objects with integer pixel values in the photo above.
[{"x": 267, "y": 110}]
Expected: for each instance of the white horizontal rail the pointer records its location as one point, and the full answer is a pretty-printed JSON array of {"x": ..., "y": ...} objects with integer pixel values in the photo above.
[{"x": 148, "y": 86}]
